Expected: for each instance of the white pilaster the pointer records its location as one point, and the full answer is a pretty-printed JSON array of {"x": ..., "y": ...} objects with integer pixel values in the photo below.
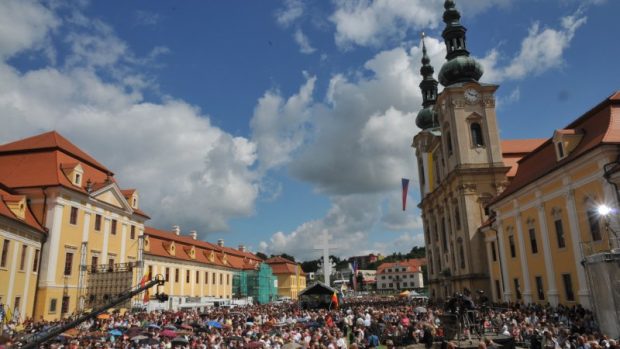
[
  {"x": 502, "y": 258},
  {"x": 9, "y": 295},
  {"x": 29, "y": 265},
  {"x": 49, "y": 256},
  {"x": 192, "y": 280},
  {"x": 106, "y": 239},
  {"x": 552, "y": 292},
  {"x": 202, "y": 284},
  {"x": 575, "y": 234},
  {"x": 124, "y": 243},
  {"x": 527, "y": 290},
  {"x": 182, "y": 279}
]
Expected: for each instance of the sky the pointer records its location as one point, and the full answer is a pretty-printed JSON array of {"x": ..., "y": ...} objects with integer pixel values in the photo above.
[{"x": 267, "y": 122}]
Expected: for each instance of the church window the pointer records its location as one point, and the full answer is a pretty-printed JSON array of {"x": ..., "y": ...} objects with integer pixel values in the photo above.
[
  {"x": 560, "y": 147},
  {"x": 444, "y": 240},
  {"x": 533, "y": 242},
  {"x": 559, "y": 228},
  {"x": 568, "y": 287},
  {"x": 457, "y": 217},
  {"x": 493, "y": 252},
  {"x": 449, "y": 143},
  {"x": 517, "y": 288},
  {"x": 461, "y": 254},
  {"x": 539, "y": 288},
  {"x": 511, "y": 242},
  {"x": 476, "y": 135},
  {"x": 594, "y": 223}
]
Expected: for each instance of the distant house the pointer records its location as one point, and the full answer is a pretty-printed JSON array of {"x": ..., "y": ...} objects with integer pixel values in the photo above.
[
  {"x": 402, "y": 275},
  {"x": 364, "y": 261},
  {"x": 291, "y": 279}
]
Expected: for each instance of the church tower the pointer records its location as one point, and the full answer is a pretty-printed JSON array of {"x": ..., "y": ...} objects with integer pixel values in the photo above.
[{"x": 459, "y": 162}]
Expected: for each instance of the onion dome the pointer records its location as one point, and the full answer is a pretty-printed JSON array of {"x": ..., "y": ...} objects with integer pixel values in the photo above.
[
  {"x": 427, "y": 117},
  {"x": 460, "y": 67}
]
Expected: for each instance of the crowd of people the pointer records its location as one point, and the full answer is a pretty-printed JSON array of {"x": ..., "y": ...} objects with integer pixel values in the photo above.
[{"x": 366, "y": 322}]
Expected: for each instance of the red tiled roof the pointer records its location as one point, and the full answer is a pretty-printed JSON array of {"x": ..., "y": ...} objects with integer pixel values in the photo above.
[
  {"x": 600, "y": 125},
  {"x": 158, "y": 239},
  {"x": 412, "y": 265},
  {"x": 29, "y": 220},
  {"x": 51, "y": 141},
  {"x": 514, "y": 149},
  {"x": 280, "y": 265}
]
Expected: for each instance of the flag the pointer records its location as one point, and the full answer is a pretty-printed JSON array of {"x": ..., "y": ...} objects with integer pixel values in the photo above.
[
  {"x": 405, "y": 182},
  {"x": 335, "y": 300},
  {"x": 8, "y": 316}
]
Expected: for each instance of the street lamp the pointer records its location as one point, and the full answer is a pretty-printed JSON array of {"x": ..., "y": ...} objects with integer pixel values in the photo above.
[{"x": 604, "y": 210}]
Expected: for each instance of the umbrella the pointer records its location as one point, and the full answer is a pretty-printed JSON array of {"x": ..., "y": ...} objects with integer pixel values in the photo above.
[
  {"x": 187, "y": 327},
  {"x": 139, "y": 337},
  {"x": 168, "y": 333},
  {"x": 419, "y": 310},
  {"x": 291, "y": 345},
  {"x": 255, "y": 344},
  {"x": 116, "y": 333},
  {"x": 155, "y": 326},
  {"x": 179, "y": 340},
  {"x": 103, "y": 316},
  {"x": 214, "y": 324},
  {"x": 170, "y": 327},
  {"x": 149, "y": 341}
]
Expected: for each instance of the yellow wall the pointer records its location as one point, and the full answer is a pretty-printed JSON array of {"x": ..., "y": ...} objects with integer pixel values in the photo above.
[
  {"x": 15, "y": 281},
  {"x": 289, "y": 285},
  {"x": 182, "y": 288}
]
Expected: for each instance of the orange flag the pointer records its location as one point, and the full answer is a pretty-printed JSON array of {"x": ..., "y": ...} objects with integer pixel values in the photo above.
[
  {"x": 146, "y": 278},
  {"x": 335, "y": 300}
]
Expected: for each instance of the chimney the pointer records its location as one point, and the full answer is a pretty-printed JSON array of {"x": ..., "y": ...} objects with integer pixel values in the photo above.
[
  {"x": 220, "y": 242},
  {"x": 176, "y": 230},
  {"x": 193, "y": 234},
  {"x": 241, "y": 248}
]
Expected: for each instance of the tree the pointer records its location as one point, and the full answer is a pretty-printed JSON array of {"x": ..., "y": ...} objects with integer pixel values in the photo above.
[
  {"x": 360, "y": 281},
  {"x": 261, "y": 255},
  {"x": 285, "y": 256}
]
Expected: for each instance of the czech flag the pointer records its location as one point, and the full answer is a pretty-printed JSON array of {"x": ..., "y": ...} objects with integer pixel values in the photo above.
[{"x": 405, "y": 182}]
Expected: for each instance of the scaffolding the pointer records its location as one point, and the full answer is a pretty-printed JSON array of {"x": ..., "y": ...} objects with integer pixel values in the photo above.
[{"x": 258, "y": 284}]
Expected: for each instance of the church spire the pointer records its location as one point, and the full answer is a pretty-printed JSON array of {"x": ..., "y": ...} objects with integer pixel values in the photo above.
[
  {"x": 427, "y": 118},
  {"x": 460, "y": 67},
  {"x": 428, "y": 84}
]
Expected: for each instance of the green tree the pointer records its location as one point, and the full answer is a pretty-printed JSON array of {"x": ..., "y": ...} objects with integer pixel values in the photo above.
[{"x": 261, "y": 255}]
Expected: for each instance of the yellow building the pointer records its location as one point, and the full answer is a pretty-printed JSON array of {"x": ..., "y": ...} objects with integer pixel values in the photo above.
[
  {"x": 291, "y": 279},
  {"x": 546, "y": 220},
  {"x": 191, "y": 267},
  {"x": 20, "y": 252},
  {"x": 93, "y": 226}
]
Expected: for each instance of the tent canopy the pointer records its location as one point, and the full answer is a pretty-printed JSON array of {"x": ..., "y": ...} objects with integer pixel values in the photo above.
[{"x": 317, "y": 288}]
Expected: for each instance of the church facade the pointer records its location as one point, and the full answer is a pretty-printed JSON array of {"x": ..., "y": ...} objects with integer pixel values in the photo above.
[{"x": 461, "y": 162}]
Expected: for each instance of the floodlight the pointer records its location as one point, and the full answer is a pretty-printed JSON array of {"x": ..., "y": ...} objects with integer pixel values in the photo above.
[{"x": 603, "y": 210}]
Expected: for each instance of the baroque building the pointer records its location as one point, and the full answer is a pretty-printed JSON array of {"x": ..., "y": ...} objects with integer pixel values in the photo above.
[{"x": 461, "y": 163}]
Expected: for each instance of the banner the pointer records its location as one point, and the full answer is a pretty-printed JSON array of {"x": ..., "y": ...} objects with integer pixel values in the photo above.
[{"x": 405, "y": 183}]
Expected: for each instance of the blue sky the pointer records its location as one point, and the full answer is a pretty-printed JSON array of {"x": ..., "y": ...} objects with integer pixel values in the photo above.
[{"x": 265, "y": 122}]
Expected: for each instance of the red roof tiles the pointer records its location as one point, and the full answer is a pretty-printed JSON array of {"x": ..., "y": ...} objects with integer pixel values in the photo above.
[
  {"x": 280, "y": 265},
  {"x": 412, "y": 265},
  {"x": 29, "y": 220}
]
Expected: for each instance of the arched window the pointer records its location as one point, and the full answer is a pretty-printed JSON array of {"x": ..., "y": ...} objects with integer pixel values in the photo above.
[{"x": 476, "y": 135}]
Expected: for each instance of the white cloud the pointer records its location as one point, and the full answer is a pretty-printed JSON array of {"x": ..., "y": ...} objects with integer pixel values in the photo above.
[
  {"x": 293, "y": 10},
  {"x": 187, "y": 170},
  {"x": 375, "y": 23},
  {"x": 540, "y": 51},
  {"x": 357, "y": 153},
  {"x": 304, "y": 43},
  {"x": 147, "y": 18},
  {"x": 24, "y": 25}
]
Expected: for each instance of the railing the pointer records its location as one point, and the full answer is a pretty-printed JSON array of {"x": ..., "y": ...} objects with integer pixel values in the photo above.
[
  {"x": 600, "y": 246},
  {"x": 111, "y": 268}
]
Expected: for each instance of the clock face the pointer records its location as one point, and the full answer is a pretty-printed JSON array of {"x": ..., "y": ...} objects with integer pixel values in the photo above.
[{"x": 471, "y": 95}]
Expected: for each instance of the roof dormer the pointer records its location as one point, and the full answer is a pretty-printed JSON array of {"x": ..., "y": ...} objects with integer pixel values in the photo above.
[
  {"x": 565, "y": 141},
  {"x": 132, "y": 197},
  {"x": 170, "y": 248},
  {"x": 74, "y": 173},
  {"x": 17, "y": 205},
  {"x": 191, "y": 252},
  {"x": 147, "y": 245}
]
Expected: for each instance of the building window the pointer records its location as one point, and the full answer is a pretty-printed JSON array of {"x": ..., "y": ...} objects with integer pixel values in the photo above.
[
  {"x": 187, "y": 276},
  {"x": 221, "y": 279},
  {"x": 68, "y": 263},
  {"x": 64, "y": 308},
  {"x": 22, "y": 259},
  {"x": 176, "y": 275},
  {"x": 150, "y": 273},
  {"x": 197, "y": 276},
  {"x": 94, "y": 261},
  {"x": 5, "y": 253},
  {"x": 568, "y": 287},
  {"x": 493, "y": 252},
  {"x": 476, "y": 135},
  {"x": 517, "y": 288},
  {"x": 594, "y": 223},
  {"x": 511, "y": 242},
  {"x": 73, "y": 216},
  {"x": 539, "y": 288},
  {"x": 391, "y": 285},
  {"x": 53, "y": 304},
  {"x": 213, "y": 279},
  {"x": 559, "y": 233},
  {"x": 449, "y": 143},
  {"x": 560, "y": 148},
  {"x": 206, "y": 277},
  {"x": 132, "y": 232},
  {"x": 461, "y": 254},
  {"x": 78, "y": 179},
  {"x": 457, "y": 218},
  {"x": 111, "y": 264},
  {"x": 18, "y": 300},
  {"x": 444, "y": 239},
  {"x": 113, "y": 228},
  {"x": 35, "y": 263},
  {"x": 98, "y": 222},
  {"x": 533, "y": 242},
  {"x": 167, "y": 275},
  {"x": 498, "y": 290},
  {"x": 421, "y": 170},
  {"x": 227, "y": 279}
]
